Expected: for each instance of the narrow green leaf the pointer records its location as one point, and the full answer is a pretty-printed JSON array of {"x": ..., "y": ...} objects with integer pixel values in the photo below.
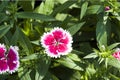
[
  {"x": 106, "y": 62},
  {"x": 61, "y": 1},
  {"x": 114, "y": 62},
  {"x": 24, "y": 74},
  {"x": 101, "y": 34},
  {"x": 90, "y": 69},
  {"x": 15, "y": 37},
  {"x": 77, "y": 52},
  {"x": 114, "y": 77},
  {"x": 3, "y": 17},
  {"x": 75, "y": 28},
  {"x": 70, "y": 63},
  {"x": 27, "y": 5},
  {"x": 91, "y": 55},
  {"x": 36, "y": 42},
  {"x": 31, "y": 15},
  {"x": 32, "y": 74},
  {"x": 3, "y": 5},
  {"x": 103, "y": 30},
  {"x": 113, "y": 46},
  {"x": 74, "y": 57},
  {"x": 63, "y": 7},
  {"x": 6, "y": 39},
  {"x": 25, "y": 42},
  {"x": 42, "y": 68},
  {"x": 45, "y": 7},
  {"x": 83, "y": 9},
  {"x": 50, "y": 76},
  {"x": 3, "y": 30},
  {"x": 30, "y": 57},
  {"x": 95, "y": 9}
]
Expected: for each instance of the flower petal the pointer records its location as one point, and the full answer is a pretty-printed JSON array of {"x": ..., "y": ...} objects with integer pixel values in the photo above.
[
  {"x": 58, "y": 33},
  {"x": 117, "y": 55},
  {"x": 13, "y": 65},
  {"x": 2, "y": 50},
  {"x": 47, "y": 39},
  {"x": 65, "y": 40},
  {"x": 13, "y": 54},
  {"x": 3, "y": 66},
  {"x": 52, "y": 51},
  {"x": 62, "y": 48}
]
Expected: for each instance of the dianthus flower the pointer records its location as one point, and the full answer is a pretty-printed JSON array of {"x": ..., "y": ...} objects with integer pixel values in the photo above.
[
  {"x": 8, "y": 62},
  {"x": 57, "y": 42},
  {"x": 116, "y": 54}
]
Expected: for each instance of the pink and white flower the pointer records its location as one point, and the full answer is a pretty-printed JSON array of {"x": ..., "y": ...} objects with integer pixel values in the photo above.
[
  {"x": 116, "y": 54},
  {"x": 3, "y": 61},
  {"x": 57, "y": 42},
  {"x": 8, "y": 62}
]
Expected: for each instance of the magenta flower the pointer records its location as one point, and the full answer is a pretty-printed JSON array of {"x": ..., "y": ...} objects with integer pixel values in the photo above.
[
  {"x": 107, "y": 8},
  {"x": 116, "y": 54},
  {"x": 8, "y": 62},
  {"x": 57, "y": 42}
]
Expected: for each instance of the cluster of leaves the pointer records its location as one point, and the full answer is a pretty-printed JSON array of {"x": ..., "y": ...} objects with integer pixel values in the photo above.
[{"x": 22, "y": 23}]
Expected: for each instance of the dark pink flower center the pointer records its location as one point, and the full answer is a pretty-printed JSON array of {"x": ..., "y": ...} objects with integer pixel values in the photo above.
[{"x": 57, "y": 47}]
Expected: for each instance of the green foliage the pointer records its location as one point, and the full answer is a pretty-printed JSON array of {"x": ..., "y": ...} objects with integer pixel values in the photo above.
[
  {"x": 36, "y": 16},
  {"x": 95, "y": 32},
  {"x": 83, "y": 9}
]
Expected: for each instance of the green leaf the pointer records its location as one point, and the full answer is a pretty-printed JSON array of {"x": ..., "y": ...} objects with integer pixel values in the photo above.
[
  {"x": 6, "y": 39},
  {"x": 83, "y": 9},
  {"x": 95, "y": 9},
  {"x": 62, "y": 7},
  {"x": 61, "y": 16},
  {"x": 37, "y": 16},
  {"x": 37, "y": 42},
  {"x": 90, "y": 69},
  {"x": 101, "y": 34},
  {"x": 3, "y": 17},
  {"x": 103, "y": 30},
  {"x": 74, "y": 57},
  {"x": 75, "y": 28},
  {"x": 42, "y": 68},
  {"x": 3, "y": 5},
  {"x": 114, "y": 77},
  {"x": 77, "y": 52},
  {"x": 45, "y": 7},
  {"x": 24, "y": 74},
  {"x": 61, "y": 1},
  {"x": 70, "y": 63},
  {"x": 15, "y": 37},
  {"x": 25, "y": 42},
  {"x": 113, "y": 46},
  {"x": 114, "y": 62},
  {"x": 32, "y": 74},
  {"x": 4, "y": 29},
  {"x": 27, "y": 5},
  {"x": 30, "y": 57},
  {"x": 91, "y": 55},
  {"x": 50, "y": 76}
]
